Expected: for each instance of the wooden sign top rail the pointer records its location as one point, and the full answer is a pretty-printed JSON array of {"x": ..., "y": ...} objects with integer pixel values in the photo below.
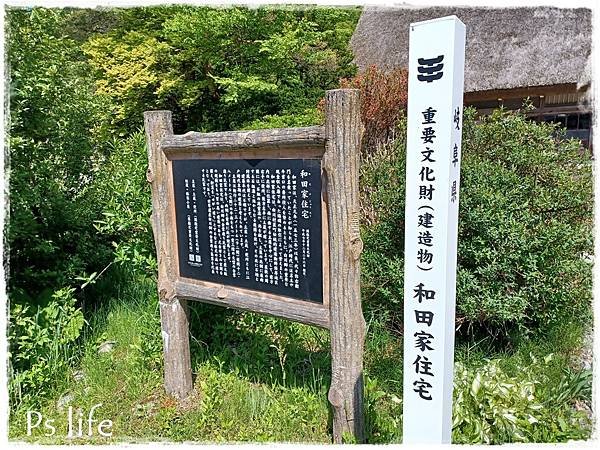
[{"x": 274, "y": 138}]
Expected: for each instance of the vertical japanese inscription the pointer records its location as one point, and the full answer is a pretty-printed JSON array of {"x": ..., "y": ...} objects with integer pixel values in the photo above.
[
  {"x": 254, "y": 224},
  {"x": 436, "y": 62}
]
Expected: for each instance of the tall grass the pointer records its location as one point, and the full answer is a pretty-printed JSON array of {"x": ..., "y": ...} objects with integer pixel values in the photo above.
[{"x": 260, "y": 379}]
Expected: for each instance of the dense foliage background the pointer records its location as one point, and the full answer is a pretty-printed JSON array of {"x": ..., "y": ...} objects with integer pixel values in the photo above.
[
  {"x": 79, "y": 83},
  {"x": 524, "y": 229},
  {"x": 82, "y": 262}
]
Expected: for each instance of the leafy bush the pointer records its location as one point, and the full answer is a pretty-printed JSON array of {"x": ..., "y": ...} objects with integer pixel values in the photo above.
[
  {"x": 221, "y": 68},
  {"x": 383, "y": 100},
  {"x": 493, "y": 406},
  {"x": 311, "y": 116},
  {"x": 124, "y": 192},
  {"x": 131, "y": 63},
  {"x": 524, "y": 226},
  {"x": 39, "y": 338},
  {"x": 55, "y": 143}
]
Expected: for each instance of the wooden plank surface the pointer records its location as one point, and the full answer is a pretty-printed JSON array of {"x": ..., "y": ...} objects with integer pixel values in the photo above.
[
  {"x": 250, "y": 153},
  {"x": 275, "y": 138},
  {"x": 248, "y": 300}
]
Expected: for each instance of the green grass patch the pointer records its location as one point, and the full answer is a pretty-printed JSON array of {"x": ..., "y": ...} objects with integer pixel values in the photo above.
[{"x": 260, "y": 379}]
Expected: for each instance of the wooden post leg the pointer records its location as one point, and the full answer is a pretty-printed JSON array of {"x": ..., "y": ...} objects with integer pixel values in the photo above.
[
  {"x": 176, "y": 345},
  {"x": 347, "y": 325},
  {"x": 173, "y": 311}
]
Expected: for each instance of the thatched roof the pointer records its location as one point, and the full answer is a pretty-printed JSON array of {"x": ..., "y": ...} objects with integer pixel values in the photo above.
[{"x": 506, "y": 47}]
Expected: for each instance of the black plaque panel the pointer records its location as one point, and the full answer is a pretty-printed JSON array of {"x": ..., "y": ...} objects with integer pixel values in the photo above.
[{"x": 252, "y": 223}]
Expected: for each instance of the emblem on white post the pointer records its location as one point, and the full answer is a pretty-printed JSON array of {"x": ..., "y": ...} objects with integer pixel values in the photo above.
[{"x": 435, "y": 103}]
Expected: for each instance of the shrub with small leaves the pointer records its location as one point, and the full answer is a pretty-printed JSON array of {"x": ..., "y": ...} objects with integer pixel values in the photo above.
[
  {"x": 383, "y": 99},
  {"x": 220, "y": 68},
  {"x": 125, "y": 193},
  {"x": 525, "y": 222}
]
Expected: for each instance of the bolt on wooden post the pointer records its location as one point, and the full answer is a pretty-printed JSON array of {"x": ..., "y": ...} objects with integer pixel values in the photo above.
[{"x": 264, "y": 221}]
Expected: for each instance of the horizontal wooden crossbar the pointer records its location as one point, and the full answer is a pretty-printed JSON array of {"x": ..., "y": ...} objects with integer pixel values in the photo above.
[
  {"x": 275, "y": 138},
  {"x": 259, "y": 302}
]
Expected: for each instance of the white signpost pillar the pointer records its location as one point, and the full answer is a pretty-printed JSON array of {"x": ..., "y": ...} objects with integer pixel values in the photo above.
[{"x": 435, "y": 107}]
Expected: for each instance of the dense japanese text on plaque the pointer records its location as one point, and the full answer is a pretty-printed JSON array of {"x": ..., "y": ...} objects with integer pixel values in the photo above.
[{"x": 252, "y": 223}]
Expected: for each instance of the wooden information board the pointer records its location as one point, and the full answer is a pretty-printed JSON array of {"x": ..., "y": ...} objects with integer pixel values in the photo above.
[
  {"x": 264, "y": 221},
  {"x": 251, "y": 223}
]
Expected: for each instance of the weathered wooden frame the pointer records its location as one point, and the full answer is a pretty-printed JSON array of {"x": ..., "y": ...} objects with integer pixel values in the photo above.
[{"x": 338, "y": 145}]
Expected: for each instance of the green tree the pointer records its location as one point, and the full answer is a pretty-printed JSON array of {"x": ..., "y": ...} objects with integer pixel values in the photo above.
[
  {"x": 55, "y": 148},
  {"x": 222, "y": 68}
]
